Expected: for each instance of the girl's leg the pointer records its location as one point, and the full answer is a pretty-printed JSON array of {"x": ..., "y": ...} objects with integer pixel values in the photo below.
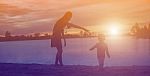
[{"x": 101, "y": 63}]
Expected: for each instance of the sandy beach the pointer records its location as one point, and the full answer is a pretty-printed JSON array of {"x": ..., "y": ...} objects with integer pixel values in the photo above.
[{"x": 8, "y": 69}]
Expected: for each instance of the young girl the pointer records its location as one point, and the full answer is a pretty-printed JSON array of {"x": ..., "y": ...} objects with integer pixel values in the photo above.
[{"x": 102, "y": 48}]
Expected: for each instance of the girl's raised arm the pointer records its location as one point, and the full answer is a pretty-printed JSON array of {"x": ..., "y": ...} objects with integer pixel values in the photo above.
[{"x": 93, "y": 47}]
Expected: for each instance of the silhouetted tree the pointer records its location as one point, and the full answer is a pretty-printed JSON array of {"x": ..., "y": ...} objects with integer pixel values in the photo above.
[
  {"x": 37, "y": 34},
  {"x": 135, "y": 30},
  {"x": 148, "y": 31},
  {"x": 46, "y": 34},
  {"x": 7, "y": 34}
]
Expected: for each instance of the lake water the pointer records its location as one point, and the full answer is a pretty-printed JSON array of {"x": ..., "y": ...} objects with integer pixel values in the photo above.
[{"x": 124, "y": 51}]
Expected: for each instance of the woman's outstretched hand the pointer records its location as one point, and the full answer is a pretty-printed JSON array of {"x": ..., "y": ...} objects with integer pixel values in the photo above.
[{"x": 87, "y": 30}]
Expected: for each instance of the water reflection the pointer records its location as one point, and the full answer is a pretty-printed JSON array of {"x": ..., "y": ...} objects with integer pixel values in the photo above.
[{"x": 123, "y": 51}]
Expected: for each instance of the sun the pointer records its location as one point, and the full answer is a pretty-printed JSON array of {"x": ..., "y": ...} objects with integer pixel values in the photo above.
[{"x": 113, "y": 29}]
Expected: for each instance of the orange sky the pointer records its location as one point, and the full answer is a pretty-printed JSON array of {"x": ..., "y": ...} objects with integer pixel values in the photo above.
[{"x": 26, "y": 16}]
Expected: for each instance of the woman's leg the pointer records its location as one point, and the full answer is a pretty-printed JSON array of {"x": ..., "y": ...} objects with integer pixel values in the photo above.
[
  {"x": 56, "y": 59},
  {"x": 59, "y": 55}
]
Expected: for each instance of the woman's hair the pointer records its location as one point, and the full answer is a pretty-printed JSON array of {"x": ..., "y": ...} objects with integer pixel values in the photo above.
[{"x": 67, "y": 16}]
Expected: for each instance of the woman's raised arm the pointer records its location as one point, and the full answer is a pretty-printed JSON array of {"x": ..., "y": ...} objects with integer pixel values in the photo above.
[{"x": 76, "y": 26}]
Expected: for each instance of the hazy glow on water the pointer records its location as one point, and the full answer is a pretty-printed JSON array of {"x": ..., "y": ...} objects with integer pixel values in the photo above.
[{"x": 123, "y": 51}]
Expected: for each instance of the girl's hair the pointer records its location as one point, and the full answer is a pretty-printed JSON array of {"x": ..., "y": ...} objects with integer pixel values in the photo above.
[{"x": 101, "y": 36}]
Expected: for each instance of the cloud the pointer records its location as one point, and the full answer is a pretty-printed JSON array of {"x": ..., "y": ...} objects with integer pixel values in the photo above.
[
  {"x": 19, "y": 15},
  {"x": 12, "y": 10}
]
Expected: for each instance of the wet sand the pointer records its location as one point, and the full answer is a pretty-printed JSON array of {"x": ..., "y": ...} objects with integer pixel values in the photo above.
[{"x": 8, "y": 69}]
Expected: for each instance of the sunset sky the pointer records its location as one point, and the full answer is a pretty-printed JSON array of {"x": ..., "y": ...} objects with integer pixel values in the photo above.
[{"x": 27, "y": 16}]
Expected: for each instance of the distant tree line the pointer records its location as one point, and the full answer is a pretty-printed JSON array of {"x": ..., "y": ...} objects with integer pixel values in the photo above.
[
  {"x": 141, "y": 31},
  {"x": 40, "y": 36}
]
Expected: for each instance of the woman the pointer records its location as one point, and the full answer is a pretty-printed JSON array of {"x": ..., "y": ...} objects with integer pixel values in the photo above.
[{"x": 58, "y": 33}]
